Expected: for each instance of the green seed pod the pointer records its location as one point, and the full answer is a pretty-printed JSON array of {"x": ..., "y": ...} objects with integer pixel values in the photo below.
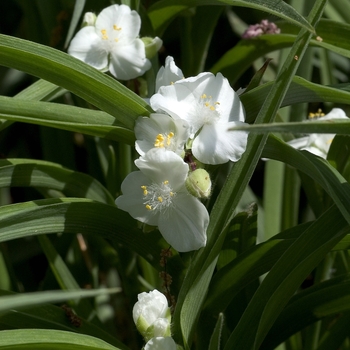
[{"x": 198, "y": 183}]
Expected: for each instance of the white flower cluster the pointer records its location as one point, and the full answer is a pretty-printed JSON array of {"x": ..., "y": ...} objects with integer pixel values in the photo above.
[
  {"x": 152, "y": 318},
  {"x": 111, "y": 42},
  {"x": 190, "y": 127}
]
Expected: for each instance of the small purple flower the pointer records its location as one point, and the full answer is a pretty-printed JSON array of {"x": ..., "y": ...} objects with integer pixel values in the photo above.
[{"x": 264, "y": 27}]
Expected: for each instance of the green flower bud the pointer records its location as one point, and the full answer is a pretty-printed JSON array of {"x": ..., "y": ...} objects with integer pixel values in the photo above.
[
  {"x": 198, "y": 183},
  {"x": 152, "y": 45}
]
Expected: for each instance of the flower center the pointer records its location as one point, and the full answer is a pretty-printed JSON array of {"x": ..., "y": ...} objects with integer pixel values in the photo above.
[
  {"x": 164, "y": 140},
  {"x": 158, "y": 196},
  {"x": 204, "y": 112},
  {"x": 112, "y": 35}
]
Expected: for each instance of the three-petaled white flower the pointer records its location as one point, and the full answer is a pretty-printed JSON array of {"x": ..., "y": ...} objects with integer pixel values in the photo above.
[
  {"x": 152, "y": 315},
  {"x": 157, "y": 195},
  {"x": 318, "y": 144},
  {"x": 112, "y": 43},
  {"x": 160, "y": 131},
  {"x": 210, "y": 106}
]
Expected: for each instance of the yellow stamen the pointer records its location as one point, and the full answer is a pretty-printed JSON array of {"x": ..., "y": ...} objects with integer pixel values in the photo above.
[
  {"x": 169, "y": 137},
  {"x": 148, "y": 207},
  {"x": 165, "y": 182},
  {"x": 115, "y": 27},
  {"x": 104, "y": 34},
  {"x": 160, "y": 199},
  {"x": 144, "y": 190},
  {"x": 318, "y": 114},
  {"x": 204, "y": 96},
  {"x": 159, "y": 142}
]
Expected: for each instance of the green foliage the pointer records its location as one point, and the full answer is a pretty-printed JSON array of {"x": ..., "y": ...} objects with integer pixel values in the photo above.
[{"x": 274, "y": 273}]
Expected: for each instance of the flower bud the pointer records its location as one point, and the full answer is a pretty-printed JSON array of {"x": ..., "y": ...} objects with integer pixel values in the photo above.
[
  {"x": 160, "y": 343},
  {"x": 89, "y": 19},
  {"x": 198, "y": 183},
  {"x": 151, "y": 315},
  {"x": 152, "y": 45}
]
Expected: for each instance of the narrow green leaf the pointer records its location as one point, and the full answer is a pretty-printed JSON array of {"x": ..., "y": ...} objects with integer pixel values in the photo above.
[
  {"x": 332, "y": 35},
  {"x": 308, "y": 307},
  {"x": 48, "y": 316},
  {"x": 331, "y": 126},
  {"x": 17, "y": 301},
  {"x": 86, "y": 121},
  {"x": 216, "y": 336},
  {"x": 164, "y": 11},
  {"x": 74, "y": 215},
  {"x": 318, "y": 169},
  {"x": 285, "y": 277},
  {"x": 42, "y": 174},
  {"x": 50, "y": 339},
  {"x": 299, "y": 91},
  {"x": 77, "y": 12},
  {"x": 195, "y": 285},
  {"x": 63, "y": 70}
]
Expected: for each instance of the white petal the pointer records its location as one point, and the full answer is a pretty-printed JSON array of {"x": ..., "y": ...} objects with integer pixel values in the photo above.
[
  {"x": 186, "y": 225},
  {"x": 168, "y": 74},
  {"x": 151, "y": 306},
  {"x": 129, "y": 61},
  {"x": 147, "y": 129},
  {"x": 160, "y": 343},
  {"x": 160, "y": 165},
  {"x": 299, "y": 143},
  {"x": 176, "y": 100},
  {"x": 335, "y": 113},
  {"x": 126, "y": 20},
  {"x": 132, "y": 199},
  {"x": 87, "y": 46},
  {"x": 215, "y": 144}
]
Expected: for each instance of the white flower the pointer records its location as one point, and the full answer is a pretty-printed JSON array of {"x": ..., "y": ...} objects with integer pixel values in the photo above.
[
  {"x": 168, "y": 74},
  {"x": 210, "y": 106},
  {"x": 157, "y": 195},
  {"x": 161, "y": 344},
  {"x": 318, "y": 144},
  {"x": 152, "y": 315},
  {"x": 112, "y": 43},
  {"x": 160, "y": 131}
]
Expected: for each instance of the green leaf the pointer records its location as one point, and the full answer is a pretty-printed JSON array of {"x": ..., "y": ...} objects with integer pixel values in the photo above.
[
  {"x": 50, "y": 339},
  {"x": 299, "y": 91},
  {"x": 164, "y": 11},
  {"x": 68, "y": 72},
  {"x": 331, "y": 126},
  {"x": 237, "y": 60},
  {"x": 322, "y": 300},
  {"x": 42, "y": 174},
  {"x": 285, "y": 277},
  {"x": 86, "y": 121},
  {"x": 52, "y": 317},
  {"x": 21, "y": 300},
  {"x": 216, "y": 336},
  {"x": 195, "y": 285},
  {"x": 318, "y": 169},
  {"x": 74, "y": 215}
]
